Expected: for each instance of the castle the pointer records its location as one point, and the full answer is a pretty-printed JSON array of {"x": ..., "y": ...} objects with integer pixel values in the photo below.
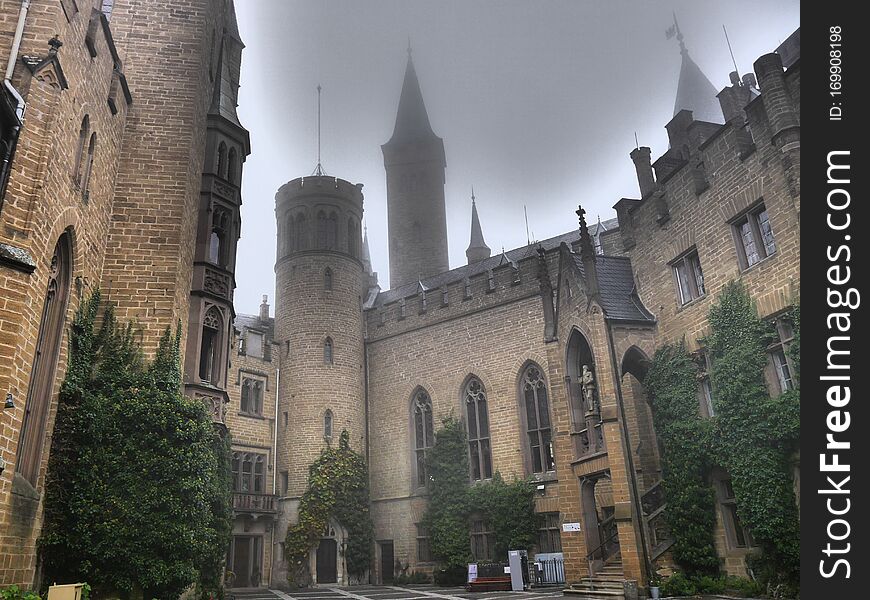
[
  {"x": 122, "y": 164},
  {"x": 540, "y": 350}
]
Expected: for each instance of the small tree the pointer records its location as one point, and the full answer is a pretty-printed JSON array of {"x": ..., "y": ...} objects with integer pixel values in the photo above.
[{"x": 137, "y": 494}]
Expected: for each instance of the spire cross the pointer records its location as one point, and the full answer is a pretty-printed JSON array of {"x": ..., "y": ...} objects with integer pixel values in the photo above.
[
  {"x": 679, "y": 34},
  {"x": 472, "y": 194}
]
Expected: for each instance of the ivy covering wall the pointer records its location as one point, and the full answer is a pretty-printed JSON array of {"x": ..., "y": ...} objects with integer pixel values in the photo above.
[
  {"x": 753, "y": 436},
  {"x": 508, "y": 507},
  {"x": 137, "y": 498},
  {"x": 338, "y": 488}
]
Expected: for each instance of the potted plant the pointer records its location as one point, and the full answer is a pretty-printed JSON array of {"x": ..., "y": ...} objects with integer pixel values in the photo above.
[{"x": 654, "y": 583}]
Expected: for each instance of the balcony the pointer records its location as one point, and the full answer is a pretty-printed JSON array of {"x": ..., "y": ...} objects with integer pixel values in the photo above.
[{"x": 254, "y": 504}]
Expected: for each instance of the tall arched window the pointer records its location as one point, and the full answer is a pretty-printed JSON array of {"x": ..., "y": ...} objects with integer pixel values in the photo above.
[
  {"x": 233, "y": 166},
  {"x": 249, "y": 472},
  {"x": 327, "y": 279},
  {"x": 353, "y": 238},
  {"x": 300, "y": 241},
  {"x": 222, "y": 160},
  {"x": 290, "y": 235},
  {"x": 88, "y": 166},
  {"x": 217, "y": 253},
  {"x": 322, "y": 235},
  {"x": 477, "y": 424},
  {"x": 43, "y": 374},
  {"x": 424, "y": 434},
  {"x": 209, "y": 353},
  {"x": 327, "y": 424},
  {"x": 327, "y": 351},
  {"x": 84, "y": 135},
  {"x": 536, "y": 412},
  {"x": 332, "y": 232}
]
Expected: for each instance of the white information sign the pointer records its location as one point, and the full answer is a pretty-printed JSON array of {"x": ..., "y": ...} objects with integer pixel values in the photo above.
[{"x": 568, "y": 527}]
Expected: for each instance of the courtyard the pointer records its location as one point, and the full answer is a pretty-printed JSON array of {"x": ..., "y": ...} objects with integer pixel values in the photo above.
[{"x": 388, "y": 592}]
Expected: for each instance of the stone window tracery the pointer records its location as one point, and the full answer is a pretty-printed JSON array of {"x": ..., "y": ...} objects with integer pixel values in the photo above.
[
  {"x": 252, "y": 396},
  {"x": 209, "y": 354},
  {"x": 536, "y": 406},
  {"x": 424, "y": 434},
  {"x": 477, "y": 425}
]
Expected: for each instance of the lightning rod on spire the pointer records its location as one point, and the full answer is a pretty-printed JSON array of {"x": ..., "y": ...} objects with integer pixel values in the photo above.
[
  {"x": 318, "y": 170},
  {"x": 730, "y": 50}
]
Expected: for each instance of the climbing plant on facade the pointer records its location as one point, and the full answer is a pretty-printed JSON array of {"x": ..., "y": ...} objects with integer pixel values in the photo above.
[
  {"x": 338, "y": 488},
  {"x": 508, "y": 507},
  {"x": 685, "y": 441},
  {"x": 137, "y": 495},
  {"x": 756, "y": 433}
]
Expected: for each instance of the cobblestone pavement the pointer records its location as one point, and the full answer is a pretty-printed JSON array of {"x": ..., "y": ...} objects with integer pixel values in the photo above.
[{"x": 388, "y": 592}]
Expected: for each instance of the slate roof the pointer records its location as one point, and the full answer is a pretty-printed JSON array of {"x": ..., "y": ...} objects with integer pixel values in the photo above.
[
  {"x": 243, "y": 322},
  {"x": 619, "y": 298},
  {"x": 615, "y": 278}
]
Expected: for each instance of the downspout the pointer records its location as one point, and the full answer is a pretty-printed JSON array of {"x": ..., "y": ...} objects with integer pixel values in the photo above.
[
  {"x": 629, "y": 459},
  {"x": 275, "y": 462},
  {"x": 16, "y": 40}
]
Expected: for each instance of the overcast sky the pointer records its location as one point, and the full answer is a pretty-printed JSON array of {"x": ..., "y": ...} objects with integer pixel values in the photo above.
[{"x": 537, "y": 102}]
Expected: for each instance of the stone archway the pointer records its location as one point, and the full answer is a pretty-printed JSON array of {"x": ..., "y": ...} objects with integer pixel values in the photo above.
[
  {"x": 599, "y": 526},
  {"x": 326, "y": 561}
]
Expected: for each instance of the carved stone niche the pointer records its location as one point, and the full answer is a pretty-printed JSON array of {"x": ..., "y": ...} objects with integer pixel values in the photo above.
[
  {"x": 217, "y": 407},
  {"x": 217, "y": 283}
]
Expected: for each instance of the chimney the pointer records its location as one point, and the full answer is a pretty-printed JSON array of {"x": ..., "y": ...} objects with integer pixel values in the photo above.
[
  {"x": 264, "y": 308},
  {"x": 643, "y": 166},
  {"x": 749, "y": 80}
]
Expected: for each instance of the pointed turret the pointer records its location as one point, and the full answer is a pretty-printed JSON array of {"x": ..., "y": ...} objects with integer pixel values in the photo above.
[
  {"x": 367, "y": 256},
  {"x": 412, "y": 120},
  {"x": 415, "y": 163},
  {"x": 694, "y": 91},
  {"x": 477, "y": 249}
]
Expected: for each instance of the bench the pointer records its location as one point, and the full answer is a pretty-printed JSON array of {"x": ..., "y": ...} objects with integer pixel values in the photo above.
[{"x": 490, "y": 584}]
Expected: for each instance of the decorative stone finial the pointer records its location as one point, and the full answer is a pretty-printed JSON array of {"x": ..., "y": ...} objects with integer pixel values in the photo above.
[{"x": 54, "y": 44}]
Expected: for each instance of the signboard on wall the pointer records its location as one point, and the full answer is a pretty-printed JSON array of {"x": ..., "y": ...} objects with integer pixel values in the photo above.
[{"x": 570, "y": 527}]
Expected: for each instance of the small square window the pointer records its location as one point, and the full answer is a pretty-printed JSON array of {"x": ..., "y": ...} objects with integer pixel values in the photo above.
[
  {"x": 689, "y": 277},
  {"x": 754, "y": 236},
  {"x": 254, "y": 344}
]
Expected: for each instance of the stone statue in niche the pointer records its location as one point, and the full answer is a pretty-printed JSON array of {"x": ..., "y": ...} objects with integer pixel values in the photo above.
[{"x": 587, "y": 382}]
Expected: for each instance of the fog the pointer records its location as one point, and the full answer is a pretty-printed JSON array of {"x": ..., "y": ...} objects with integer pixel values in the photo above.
[{"x": 538, "y": 103}]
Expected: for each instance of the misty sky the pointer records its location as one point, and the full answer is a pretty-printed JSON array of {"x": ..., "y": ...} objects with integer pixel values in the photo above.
[{"x": 537, "y": 102}]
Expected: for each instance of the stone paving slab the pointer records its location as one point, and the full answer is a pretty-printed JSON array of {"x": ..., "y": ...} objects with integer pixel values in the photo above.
[{"x": 389, "y": 592}]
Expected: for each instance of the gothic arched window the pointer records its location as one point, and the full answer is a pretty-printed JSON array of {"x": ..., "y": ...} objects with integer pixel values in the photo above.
[
  {"x": 222, "y": 160},
  {"x": 84, "y": 134},
  {"x": 249, "y": 472},
  {"x": 332, "y": 232},
  {"x": 327, "y": 424},
  {"x": 217, "y": 252},
  {"x": 327, "y": 351},
  {"x": 322, "y": 234},
  {"x": 88, "y": 166},
  {"x": 477, "y": 424},
  {"x": 536, "y": 413},
  {"x": 210, "y": 351},
  {"x": 233, "y": 166},
  {"x": 327, "y": 279},
  {"x": 353, "y": 238},
  {"x": 424, "y": 434},
  {"x": 300, "y": 241},
  {"x": 43, "y": 373}
]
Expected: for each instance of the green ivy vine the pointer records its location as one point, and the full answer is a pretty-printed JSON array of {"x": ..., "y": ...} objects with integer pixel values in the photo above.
[
  {"x": 756, "y": 434},
  {"x": 753, "y": 436},
  {"x": 338, "y": 487},
  {"x": 685, "y": 441},
  {"x": 508, "y": 507}
]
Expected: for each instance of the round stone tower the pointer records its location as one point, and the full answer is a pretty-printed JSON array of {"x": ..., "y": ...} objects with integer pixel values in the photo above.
[{"x": 318, "y": 322}]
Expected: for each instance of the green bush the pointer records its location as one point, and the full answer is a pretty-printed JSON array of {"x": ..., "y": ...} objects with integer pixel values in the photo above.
[
  {"x": 137, "y": 497},
  {"x": 13, "y": 592},
  {"x": 678, "y": 585}
]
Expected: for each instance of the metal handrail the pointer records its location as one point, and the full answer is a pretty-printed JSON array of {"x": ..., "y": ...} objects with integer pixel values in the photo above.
[{"x": 597, "y": 548}]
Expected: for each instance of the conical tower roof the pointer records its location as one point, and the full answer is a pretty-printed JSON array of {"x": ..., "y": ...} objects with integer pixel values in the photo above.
[
  {"x": 694, "y": 90},
  {"x": 412, "y": 120}
]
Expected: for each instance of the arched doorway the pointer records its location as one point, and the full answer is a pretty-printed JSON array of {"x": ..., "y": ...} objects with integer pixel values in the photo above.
[
  {"x": 596, "y": 501},
  {"x": 639, "y": 415},
  {"x": 327, "y": 561},
  {"x": 44, "y": 372}
]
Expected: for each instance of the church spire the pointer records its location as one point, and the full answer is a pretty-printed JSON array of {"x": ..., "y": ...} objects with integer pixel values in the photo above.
[
  {"x": 412, "y": 120},
  {"x": 694, "y": 90},
  {"x": 367, "y": 255},
  {"x": 477, "y": 249}
]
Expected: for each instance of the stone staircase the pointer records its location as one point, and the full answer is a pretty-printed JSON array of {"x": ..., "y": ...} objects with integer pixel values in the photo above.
[{"x": 604, "y": 585}]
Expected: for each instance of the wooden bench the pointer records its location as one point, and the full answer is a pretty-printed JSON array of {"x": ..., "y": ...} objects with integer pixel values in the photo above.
[{"x": 490, "y": 584}]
